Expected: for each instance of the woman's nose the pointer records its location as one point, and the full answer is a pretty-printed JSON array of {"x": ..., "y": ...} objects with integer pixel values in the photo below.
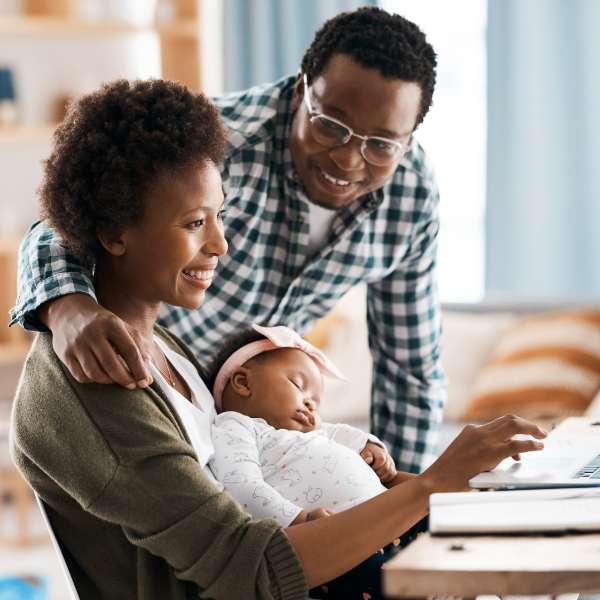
[{"x": 216, "y": 244}]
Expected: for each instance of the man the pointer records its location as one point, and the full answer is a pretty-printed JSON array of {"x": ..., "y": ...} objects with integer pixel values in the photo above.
[{"x": 325, "y": 189}]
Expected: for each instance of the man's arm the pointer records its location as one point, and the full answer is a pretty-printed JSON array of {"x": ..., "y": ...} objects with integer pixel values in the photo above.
[
  {"x": 46, "y": 271},
  {"x": 404, "y": 319},
  {"x": 56, "y": 292}
]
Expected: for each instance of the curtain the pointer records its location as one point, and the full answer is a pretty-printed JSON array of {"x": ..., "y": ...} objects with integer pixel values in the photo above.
[
  {"x": 265, "y": 39},
  {"x": 543, "y": 177}
]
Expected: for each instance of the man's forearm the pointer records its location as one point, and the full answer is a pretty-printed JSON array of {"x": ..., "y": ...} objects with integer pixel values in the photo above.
[{"x": 45, "y": 272}]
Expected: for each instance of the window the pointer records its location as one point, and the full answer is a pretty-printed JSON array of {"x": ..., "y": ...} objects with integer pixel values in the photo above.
[{"x": 454, "y": 135}]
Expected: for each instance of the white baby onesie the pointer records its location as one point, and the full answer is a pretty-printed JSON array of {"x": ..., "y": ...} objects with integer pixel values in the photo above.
[{"x": 278, "y": 472}]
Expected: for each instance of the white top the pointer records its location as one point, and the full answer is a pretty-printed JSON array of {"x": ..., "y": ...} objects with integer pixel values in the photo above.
[
  {"x": 320, "y": 220},
  {"x": 198, "y": 415},
  {"x": 278, "y": 472}
]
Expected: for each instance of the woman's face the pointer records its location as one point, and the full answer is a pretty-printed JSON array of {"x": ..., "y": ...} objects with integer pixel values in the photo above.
[{"x": 172, "y": 252}]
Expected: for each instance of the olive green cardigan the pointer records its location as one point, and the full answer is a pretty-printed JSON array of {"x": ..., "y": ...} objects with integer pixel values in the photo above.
[{"x": 134, "y": 512}]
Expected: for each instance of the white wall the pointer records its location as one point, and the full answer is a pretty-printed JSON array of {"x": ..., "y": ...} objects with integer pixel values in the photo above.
[{"x": 48, "y": 66}]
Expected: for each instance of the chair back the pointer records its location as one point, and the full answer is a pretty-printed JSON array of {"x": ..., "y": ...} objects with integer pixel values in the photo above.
[{"x": 73, "y": 595}]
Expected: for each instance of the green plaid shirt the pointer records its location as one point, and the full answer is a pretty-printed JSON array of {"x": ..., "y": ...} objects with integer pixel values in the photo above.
[{"x": 385, "y": 239}]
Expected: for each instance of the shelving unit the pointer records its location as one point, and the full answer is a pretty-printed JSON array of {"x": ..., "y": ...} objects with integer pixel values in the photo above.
[
  {"x": 55, "y": 22},
  {"x": 179, "y": 37}
]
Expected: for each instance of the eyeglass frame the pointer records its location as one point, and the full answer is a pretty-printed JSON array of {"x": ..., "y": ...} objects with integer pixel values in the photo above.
[{"x": 312, "y": 114}]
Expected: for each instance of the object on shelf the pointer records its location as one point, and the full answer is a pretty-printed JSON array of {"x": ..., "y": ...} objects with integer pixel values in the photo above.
[
  {"x": 8, "y": 100},
  {"x": 23, "y": 588},
  {"x": 49, "y": 8},
  {"x": 59, "y": 110},
  {"x": 8, "y": 288}
]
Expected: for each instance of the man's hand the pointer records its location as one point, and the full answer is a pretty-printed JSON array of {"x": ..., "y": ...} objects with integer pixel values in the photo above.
[
  {"x": 381, "y": 462},
  {"x": 94, "y": 344},
  {"x": 313, "y": 515}
]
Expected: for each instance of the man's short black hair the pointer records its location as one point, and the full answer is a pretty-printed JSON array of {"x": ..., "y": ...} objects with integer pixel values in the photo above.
[
  {"x": 234, "y": 343},
  {"x": 112, "y": 144},
  {"x": 376, "y": 39}
]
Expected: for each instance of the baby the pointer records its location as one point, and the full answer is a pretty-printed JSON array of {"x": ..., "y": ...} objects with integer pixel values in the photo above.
[{"x": 272, "y": 452}]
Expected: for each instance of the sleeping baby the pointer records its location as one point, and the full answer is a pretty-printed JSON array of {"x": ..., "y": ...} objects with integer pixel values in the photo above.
[{"x": 272, "y": 452}]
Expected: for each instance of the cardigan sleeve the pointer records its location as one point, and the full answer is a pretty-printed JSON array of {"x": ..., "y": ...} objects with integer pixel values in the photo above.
[{"x": 122, "y": 455}]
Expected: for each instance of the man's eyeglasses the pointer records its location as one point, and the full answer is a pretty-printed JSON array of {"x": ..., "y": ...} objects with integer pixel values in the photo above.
[{"x": 330, "y": 132}]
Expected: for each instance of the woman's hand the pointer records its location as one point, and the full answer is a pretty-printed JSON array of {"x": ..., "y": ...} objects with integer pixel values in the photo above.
[
  {"x": 94, "y": 344},
  {"x": 480, "y": 448},
  {"x": 380, "y": 461}
]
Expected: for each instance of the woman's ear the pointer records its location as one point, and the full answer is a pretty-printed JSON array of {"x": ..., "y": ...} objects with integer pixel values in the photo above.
[
  {"x": 113, "y": 242},
  {"x": 240, "y": 382}
]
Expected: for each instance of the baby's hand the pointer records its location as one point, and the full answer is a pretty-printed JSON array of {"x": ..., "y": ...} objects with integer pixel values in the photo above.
[
  {"x": 313, "y": 515},
  {"x": 318, "y": 513},
  {"x": 381, "y": 462}
]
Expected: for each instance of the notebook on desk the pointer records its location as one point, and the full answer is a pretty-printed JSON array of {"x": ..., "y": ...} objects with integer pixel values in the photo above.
[
  {"x": 570, "y": 458},
  {"x": 572, "y": 510}
]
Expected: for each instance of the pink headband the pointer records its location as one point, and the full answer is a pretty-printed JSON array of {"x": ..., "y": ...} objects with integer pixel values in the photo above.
[{"x": 277, "y": 337}]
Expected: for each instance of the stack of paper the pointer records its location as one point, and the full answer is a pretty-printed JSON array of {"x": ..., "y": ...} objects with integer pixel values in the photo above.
[{"x": 524, "y": 511}]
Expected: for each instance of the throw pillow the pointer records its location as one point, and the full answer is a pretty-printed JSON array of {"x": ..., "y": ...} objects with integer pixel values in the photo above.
[{"x": 546, "y": 367}]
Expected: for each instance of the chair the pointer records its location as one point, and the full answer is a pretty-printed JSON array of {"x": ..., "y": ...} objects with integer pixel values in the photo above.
[{"x": 61, "y": 559}]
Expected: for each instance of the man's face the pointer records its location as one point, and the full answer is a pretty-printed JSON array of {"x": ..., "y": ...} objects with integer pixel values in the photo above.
[{"x": 366, "y": 102}]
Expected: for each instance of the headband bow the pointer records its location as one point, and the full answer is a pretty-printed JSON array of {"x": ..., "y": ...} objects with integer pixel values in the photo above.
[{"x": 276, "y": 337}]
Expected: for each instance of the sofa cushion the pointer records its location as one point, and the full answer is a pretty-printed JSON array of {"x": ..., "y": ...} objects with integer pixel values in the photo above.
[{"x": 545, "y": 367}]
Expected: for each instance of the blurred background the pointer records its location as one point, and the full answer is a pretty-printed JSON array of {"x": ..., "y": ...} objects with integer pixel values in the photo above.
[{"x": 512, "y": 133}]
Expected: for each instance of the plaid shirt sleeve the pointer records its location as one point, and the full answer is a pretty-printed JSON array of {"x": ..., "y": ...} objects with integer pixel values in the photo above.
[
  {"x": 46, "y": 271},
  {"x": 404, "y": 317}
]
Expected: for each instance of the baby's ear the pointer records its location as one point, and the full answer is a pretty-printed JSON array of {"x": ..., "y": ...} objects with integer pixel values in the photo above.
[{"x": 240, "y": 383}]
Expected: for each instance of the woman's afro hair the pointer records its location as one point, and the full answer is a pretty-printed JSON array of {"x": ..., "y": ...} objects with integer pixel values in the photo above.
[{"x": 109, "y": 148}]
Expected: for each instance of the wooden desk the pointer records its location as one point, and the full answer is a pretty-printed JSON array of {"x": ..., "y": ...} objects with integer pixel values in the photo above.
[
  {"x": 500, "y": 565},
  {"x": 511, "y": 565}
]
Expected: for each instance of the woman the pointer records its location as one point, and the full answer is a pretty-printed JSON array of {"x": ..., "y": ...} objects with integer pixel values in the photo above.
[{"x": 132, "y": 185}]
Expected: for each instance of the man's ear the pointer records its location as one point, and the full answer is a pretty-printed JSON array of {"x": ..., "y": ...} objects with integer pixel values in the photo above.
[
  {"x": 113, "y": 242},
  {"x": 240, "y": 382},
  {"x": 298, "y": 95}
]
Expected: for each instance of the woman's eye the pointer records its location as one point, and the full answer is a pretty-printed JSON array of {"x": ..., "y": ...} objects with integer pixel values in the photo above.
[
  {"x": 221, "y": 214},
  {"x": 195, "y": 224}
]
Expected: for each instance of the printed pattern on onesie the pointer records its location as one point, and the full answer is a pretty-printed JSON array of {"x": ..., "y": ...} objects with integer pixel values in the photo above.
[{"x": 278, "y": 472}]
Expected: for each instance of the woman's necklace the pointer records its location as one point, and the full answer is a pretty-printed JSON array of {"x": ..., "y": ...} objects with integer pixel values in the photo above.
[{"x": 168, "y": 375}]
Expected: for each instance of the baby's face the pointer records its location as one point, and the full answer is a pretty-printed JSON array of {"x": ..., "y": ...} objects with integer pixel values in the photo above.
[{"x": 286, "y": 389}]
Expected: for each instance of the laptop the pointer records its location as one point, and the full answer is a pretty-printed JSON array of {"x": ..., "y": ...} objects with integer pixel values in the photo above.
[{"x": 570, "y": 458}]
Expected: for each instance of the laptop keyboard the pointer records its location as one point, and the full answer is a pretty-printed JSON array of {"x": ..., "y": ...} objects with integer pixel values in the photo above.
[{"x": 591, "y": 470}]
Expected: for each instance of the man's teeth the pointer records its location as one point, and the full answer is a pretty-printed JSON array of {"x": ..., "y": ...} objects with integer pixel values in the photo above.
[
  {"x": 200, "y": 275},
  {"x": 335, "y": 180}
]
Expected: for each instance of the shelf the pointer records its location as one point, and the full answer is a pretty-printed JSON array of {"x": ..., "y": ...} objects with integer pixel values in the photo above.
[
  {"x": 25, "y": 134},
  {"x": 30, "y": 25}
]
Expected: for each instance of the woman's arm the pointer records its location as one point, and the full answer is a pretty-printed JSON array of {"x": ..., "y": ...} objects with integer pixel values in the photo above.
[
  {"x": 331, "y": 546},
  {"x": 121, "y": 456}
]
